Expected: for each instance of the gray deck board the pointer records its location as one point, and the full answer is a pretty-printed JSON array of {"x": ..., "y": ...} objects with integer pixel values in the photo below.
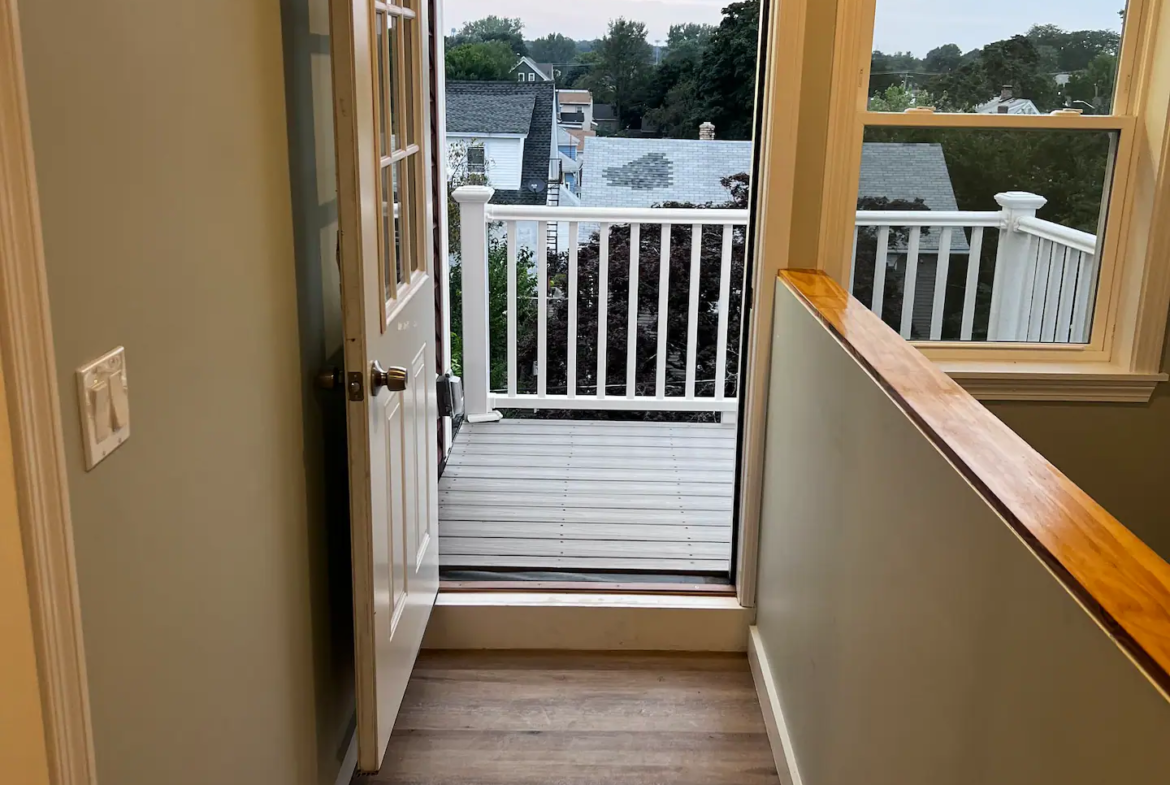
[{"x": 573, "y": 494}]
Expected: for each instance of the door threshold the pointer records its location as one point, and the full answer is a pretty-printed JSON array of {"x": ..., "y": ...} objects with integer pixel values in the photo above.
[{"x": 587, "y": 587}]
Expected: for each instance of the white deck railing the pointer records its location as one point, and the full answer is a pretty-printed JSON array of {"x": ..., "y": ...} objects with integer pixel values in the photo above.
[
  {"x": 481, "y": 401},
  {"x": 1043, "y": 288}
]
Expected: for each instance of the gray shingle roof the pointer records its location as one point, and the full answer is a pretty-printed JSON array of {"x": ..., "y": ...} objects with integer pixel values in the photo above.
[
  {"x": 540, "y": 100},
  {"x": 907, "y": 171},
  {"x": 479, "y": 112}
]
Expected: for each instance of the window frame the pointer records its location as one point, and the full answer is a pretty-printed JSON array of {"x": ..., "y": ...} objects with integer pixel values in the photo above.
[{"x": 1123, "y": 358}]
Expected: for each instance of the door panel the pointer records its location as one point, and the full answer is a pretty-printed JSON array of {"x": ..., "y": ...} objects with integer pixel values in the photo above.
[{"x": 388, "y": 302}]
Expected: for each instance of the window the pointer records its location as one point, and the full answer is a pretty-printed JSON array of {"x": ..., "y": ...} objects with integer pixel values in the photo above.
[
  {"x": 399, "y": 162},
  {"x": 981, "y": 182},
  {"x": 531, "y": 77},
  {"x": 520, "y": 77},
  {"x": 476, "y": 159}
]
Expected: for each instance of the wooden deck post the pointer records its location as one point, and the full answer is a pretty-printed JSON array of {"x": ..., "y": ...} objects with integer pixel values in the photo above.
[{"x": 473, "y": 260}]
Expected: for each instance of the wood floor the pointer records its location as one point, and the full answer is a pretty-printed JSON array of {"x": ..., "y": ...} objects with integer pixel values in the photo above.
[
  {"x": 514, "y": 718},
  {"x": 572, "y": 494}
]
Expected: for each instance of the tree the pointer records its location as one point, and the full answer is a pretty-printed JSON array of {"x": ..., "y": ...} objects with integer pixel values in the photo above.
[
  {"x": 492, "y": 28},
  {"x": 675, "y": 89},
  {"x": 728, "y": 75},
  {"x": 553, "y": 48},
  {"x": 943, "y": 59},
  {"x": 1094, "y": 85},
  {"x": 622, "y": 69},
  {"x": 481, "y": 62},
  {"x": 617, "y": 323}
]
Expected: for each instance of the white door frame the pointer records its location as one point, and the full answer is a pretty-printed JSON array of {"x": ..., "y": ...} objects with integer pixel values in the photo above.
[{"x": 29, "y": 364}]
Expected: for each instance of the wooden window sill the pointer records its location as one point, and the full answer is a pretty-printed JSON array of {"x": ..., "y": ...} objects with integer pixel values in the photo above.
[{"x": 1019, "y": 381}]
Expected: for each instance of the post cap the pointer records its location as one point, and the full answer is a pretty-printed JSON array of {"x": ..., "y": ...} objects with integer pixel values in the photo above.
[
  {"x": 1020, "y": 200},
  {"x": 473, "y": 194}
]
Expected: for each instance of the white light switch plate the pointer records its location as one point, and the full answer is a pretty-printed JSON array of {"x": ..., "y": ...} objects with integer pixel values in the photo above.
[{"x": 103, "y": 395}]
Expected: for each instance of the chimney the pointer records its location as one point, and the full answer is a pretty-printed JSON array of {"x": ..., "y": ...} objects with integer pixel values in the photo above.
[
  {"x": 1005, "y": 94},
  {"x": 707, "y": 132}
]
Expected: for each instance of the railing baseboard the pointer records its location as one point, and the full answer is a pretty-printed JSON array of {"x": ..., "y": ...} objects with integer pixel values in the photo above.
[{"x": 641, "y": 403}]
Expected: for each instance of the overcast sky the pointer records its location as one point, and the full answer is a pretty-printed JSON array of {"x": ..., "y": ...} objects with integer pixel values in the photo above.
[{"x": 914, "y": 25}]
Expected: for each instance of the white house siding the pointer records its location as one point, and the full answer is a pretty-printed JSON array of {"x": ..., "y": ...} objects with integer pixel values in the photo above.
[{"x": 504, "y": 155}]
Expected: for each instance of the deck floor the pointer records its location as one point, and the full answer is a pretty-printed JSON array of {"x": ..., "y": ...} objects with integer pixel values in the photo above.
[{"x": 579, "y": 495}]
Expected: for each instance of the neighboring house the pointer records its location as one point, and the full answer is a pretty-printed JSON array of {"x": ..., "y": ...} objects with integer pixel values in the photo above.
[
  {"x": 1005, "y": 103},
  {"x": 644, "y": 172},
  {"x": 604, "y": 118},
  {"x": 575, "y": 109},
  {"x": 513, "y": 124},
  {"x": 528, "y": 70},
  {"x": 570, "y": 158}
]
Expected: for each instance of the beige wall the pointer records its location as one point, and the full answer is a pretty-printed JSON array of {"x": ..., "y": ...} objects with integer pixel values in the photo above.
[
  {"x": 23, "y": 757},
  {"x": 912, "y": 637},
  {"x": 1119, "y": 453},
  {"x": 160, "y": 138}
]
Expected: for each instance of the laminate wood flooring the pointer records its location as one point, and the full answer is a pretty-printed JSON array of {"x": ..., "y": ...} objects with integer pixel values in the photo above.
[{"x": 519, "y": 718}]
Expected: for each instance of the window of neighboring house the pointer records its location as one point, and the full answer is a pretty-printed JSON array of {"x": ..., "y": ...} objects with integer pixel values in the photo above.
[
  {"x": 520, "y": 77},
  {"x": 991, "y": 197},
  {"x": 531, "y": 77},
  {"x": 476, "y": 159}
]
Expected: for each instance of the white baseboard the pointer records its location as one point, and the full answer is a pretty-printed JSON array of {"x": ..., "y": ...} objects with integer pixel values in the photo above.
[
  {"x": 778, "y": 736},
  {"x": 587, "y": 622},
  {"x": 348, "y": 763}
]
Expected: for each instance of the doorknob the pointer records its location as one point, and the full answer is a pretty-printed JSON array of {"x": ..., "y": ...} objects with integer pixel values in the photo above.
[{"x": 393, "y": 378}]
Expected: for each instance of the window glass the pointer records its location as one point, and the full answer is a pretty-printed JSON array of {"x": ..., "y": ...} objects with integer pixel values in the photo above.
[
  {"x": 981, "y": 235},
  {"x": 383, "y": 87},
  {"x": 995, "y": 56},
  {"x": 392, "y": 87}
]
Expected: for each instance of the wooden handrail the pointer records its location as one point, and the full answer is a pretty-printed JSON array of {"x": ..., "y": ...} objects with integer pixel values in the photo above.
[{"x": 1115, "y": 576}]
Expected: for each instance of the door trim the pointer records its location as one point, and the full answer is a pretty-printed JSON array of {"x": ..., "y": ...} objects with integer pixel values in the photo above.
[{"x": 26, "y": 351}]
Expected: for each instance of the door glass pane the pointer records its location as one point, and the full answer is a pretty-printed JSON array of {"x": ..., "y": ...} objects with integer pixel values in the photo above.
[
  {"x": 390, "y": 264},
  {"x": 393, "y": 75},
  {"x": 408, "y": 29},
  {"x": 401, "y": 247},
  {"x": 383, "y": 83},
  {"x": 995, "y": 56},
  {"x": 411, "y": 178},
  {"x": 982, "y": 235}
]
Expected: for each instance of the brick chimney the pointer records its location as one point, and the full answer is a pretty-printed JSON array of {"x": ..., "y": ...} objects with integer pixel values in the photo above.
[
  {"x": 707, "y": 132},
  {"x": 1005, "y": 93}
]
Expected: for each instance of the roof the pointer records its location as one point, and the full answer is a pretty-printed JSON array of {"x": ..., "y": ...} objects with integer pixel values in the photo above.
[
  {"x": 538, "y": 146},
  {"x": 483, "y": 112},
  {"x": 1014, "y": 106},
  {"x": 574, "y": 96},
  {"x": 544, "y": 69},
  {"x": 625, "y": 172}
]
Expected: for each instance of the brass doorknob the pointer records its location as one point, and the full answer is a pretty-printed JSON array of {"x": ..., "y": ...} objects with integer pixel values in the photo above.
[{"x": 393, "y": 378}]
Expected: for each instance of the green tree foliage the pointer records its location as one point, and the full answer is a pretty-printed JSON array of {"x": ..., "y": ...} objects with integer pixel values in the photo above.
[
  {"x": 943, "y": 59},
  {"x": 729, "y": 71},
  {"x": 617, "y": 322},
  {"x": 553, "y": 48},
  {"x": 621, "y": 72},
  {"x": 492, "y": 28},
  {"x": 1094, "y": 85},
  {"x": 490, "y": 61},
  {"x": 675, "y": 90}
]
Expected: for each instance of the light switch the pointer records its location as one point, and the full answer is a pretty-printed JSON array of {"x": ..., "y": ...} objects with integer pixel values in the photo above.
[{"x": 103, "y": 394}]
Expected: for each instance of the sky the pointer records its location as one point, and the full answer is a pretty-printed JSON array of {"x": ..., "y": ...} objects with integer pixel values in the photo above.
[{"x": 901, "y": 25}]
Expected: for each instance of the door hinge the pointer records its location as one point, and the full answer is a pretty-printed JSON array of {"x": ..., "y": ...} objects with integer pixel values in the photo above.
[{"x": 354, "y": 385}]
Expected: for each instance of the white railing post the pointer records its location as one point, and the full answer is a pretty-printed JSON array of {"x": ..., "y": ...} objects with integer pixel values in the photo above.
[
  {"x": 473, "y": 259},
  {"x": 1015, "y": 266}
]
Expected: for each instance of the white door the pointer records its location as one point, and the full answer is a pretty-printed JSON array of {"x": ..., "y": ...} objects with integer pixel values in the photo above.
[{"x": 382, "y": 122}]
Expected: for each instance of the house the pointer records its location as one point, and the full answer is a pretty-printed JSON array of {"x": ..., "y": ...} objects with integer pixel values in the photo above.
[
  {"x": 575, "y": 109},
  {"x": 646, "y": 172},
  {"x": 528, "y": 70},
  {"x": 855, "y": 571},
  {"x": 509, "y": 129},
  {"x": 1005, "y": 103},
  {"x": 605, "y": 118},
  {"x": 570, "y": 157}
]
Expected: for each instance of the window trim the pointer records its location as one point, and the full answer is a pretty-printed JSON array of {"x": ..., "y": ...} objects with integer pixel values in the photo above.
[{"x": 1124, "y": 356}]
